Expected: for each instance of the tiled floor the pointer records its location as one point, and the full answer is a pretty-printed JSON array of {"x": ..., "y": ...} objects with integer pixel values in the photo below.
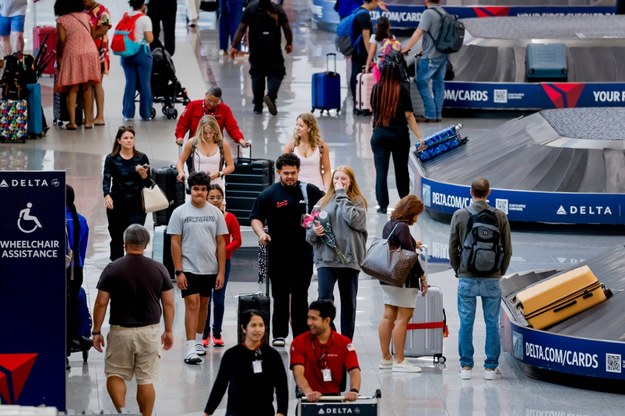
[{"x": 183, "y": 389}]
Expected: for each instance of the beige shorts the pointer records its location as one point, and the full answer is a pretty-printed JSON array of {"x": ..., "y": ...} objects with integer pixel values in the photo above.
[{"x": 134, "y": 351}]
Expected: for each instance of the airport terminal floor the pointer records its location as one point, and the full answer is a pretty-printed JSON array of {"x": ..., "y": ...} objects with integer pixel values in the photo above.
[{"x": 183, "y": 389}]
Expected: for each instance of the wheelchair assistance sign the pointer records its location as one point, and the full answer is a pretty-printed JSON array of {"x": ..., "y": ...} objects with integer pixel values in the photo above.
[{"x": 33, "y": 288}]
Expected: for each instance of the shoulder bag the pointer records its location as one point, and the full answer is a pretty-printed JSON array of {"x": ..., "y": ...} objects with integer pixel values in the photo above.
[
  {"x": 389, "y": 265},
  {"x": 154, "y": 198}
]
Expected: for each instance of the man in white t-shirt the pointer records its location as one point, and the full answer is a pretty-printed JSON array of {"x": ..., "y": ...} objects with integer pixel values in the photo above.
[
  {"x": 198, "y": 251},
  {"x": 12, "y": 15}
]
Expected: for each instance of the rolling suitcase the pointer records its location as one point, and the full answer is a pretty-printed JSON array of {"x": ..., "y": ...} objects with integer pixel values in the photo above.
[
  {"x": 555, "y": 299},
  {"x": 13, "y": 120},
  {"x": 167, "y": 179},
  {"x": 35, "y": 112},
  {"x": 44, "y": 37},
  {"x": 546, "y": 62},
  {"x": 441, "y": 142},
  {"x": 326, "y": 88},
  {"x": 161, "y": 249},
  {"x": 259, "y": 300},
  {"x": 333, "y": 405},
  {"x": 82, "y": 338},
  {"x": 249, "y": 179},
  {"x": 59, "y": 108},
  {"x": 364, "y": 85}
]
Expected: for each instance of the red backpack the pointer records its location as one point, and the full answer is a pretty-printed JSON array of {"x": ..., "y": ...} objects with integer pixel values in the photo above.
[{"x": 123, "y": 43}]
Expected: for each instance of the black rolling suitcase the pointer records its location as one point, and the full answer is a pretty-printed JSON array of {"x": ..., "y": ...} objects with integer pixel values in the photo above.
[
  {"x": 249, "y": 179},
  {"x": 259, "y": 300},
  {"x": 161, "y": 249},
  {"x": 167, "y": 179},
  {"x": 59, "y": 107}
]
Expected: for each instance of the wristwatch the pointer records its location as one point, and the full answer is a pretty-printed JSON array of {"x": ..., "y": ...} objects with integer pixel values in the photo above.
[
  {"x": 221, "y": 175},
  {"x": 178, "y": 272}
]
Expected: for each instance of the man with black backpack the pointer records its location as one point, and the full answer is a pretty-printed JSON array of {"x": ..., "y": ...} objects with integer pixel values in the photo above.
[
  {"x": 445, "y": 35},
  {"x": 479, "y": 251}
]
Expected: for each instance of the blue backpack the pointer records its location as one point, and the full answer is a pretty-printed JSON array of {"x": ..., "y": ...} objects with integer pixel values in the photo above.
[
  {"x": 345, "y": 42},
  {"x": 345, "y": 7}
]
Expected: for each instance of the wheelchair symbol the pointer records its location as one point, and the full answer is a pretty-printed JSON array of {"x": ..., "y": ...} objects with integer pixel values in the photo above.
[{"x": 25, "y": 216}]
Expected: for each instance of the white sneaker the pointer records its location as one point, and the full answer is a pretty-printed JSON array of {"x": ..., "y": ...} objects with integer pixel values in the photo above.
[
  {"x": 465, "y": 373},
  {"x": 386, "y": 364},
  {"x": 491, "y": 374},
  {"x": 199, "y": 349},
  {"x": 405, "y": 367},
  {"x": 192, "y": 358}
]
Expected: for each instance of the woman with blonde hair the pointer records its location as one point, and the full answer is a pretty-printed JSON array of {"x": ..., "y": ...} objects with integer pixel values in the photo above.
[
  {"x": 312, "y": 151},
  {"x": 342, "y": 221},
  {"x": 399, "y": 302},
  {"x": 206, "y": 152}
]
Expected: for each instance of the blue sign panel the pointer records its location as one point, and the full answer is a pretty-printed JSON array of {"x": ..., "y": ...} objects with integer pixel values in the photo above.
[
  {"x": 530, "y": 206},
  {"x": 561, "y": 353},
  {"x": 514, "y": 96},
  {"x": 32, "y": 288},
  {"x": 407, "y": 13}
]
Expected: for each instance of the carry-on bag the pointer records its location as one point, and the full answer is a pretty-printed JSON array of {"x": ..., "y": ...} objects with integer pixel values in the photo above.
[
  {"x": 13, "y": 120},
  {"x": 82, "y": 338},
  {"x": 333, "y": 405},
  {"x": 555, "y": 299},
  {"x": 364, "y": 85},
  {"x": 161, "y": 249},
  {"x": 59, "y": 107},
  {"x": 546, "y": 62},
  {"x": 249, "y": 179},
  {"x": 166, "y": 178},
  {"x": 35, "y": 112},
  {"x": 259, "y": 300},
  {"x": 326, "y": 88},
  {"x": 441, "y": 142}
]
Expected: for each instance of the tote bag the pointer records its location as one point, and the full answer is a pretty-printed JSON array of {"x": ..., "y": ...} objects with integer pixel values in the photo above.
[
  {"x": 387, "y": 264},
  {"x": 154, "y": 198}
]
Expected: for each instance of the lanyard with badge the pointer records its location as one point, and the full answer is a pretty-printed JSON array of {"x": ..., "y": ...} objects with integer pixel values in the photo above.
[
  {"x": 322, "y": 361},
  {"x": 257, "y": 364}
]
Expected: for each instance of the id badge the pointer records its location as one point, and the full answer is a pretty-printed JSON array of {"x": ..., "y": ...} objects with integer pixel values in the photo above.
[
  {"x": 327, "y": 374},
  {"x": 257, "y": 366}
]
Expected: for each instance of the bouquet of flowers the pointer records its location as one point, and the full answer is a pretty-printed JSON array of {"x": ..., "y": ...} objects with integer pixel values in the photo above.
[{"x": 328, "y": 238}]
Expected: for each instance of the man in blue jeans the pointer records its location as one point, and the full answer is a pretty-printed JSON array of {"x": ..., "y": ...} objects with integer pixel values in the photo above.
[
  {"x": 432, "y": 64},
  {"x": 472, "y": 284}
]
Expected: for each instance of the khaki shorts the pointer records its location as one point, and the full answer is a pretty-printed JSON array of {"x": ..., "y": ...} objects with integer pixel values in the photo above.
[{"x": 134, "y": 351}]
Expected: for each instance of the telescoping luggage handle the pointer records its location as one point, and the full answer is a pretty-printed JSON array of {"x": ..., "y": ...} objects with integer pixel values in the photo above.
[
  {"x": 240, "y": 154},
  {"x": 328, "y": 62}
]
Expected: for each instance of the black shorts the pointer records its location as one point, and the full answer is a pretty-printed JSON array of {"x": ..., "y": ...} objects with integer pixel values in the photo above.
[{"x": 199, "y": 283}]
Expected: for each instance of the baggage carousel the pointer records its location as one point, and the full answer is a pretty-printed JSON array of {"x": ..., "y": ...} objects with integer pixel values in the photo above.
[
  {"x": 589, "y": 344},
  {"x": 490, "y": 69},
  {"x": 563, "y": 166}
]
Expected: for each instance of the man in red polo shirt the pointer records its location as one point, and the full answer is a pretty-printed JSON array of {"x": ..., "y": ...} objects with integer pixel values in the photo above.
[
  {"x": 211, "y": 105},
  {"x": 319, "y": 358}
]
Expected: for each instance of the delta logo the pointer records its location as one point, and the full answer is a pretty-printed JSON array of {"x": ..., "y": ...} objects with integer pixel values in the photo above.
[
  {"x": 491, "y": 11},
  {"x": 14, "y": 371},
  {"x": 564, "y": 94}
]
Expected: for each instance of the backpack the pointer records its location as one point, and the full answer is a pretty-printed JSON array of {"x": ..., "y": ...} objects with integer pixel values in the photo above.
[
  {"x": 451, "y": 35},
  {"x": 122, "y": 43},
  {"x": 346, "y": 7},
  {"x": 390, "y": 53},
  {"x": 345, "y": 42},
  {"x": 482, "y": 252},
  {"x": 14, "y": 78}
]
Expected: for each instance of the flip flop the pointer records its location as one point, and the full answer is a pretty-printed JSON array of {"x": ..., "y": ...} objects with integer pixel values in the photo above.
[
  {"x": 70, "y": 127},
  {"x": 99, "y": 124},
  {"x": 88, "y": 126}
]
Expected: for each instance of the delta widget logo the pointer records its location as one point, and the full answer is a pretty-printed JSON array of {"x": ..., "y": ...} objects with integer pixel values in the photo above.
[
  {"x": 491, "y": 11},
  {"x": 14, "y": 372},
  {"x": 565, "y": 94}
]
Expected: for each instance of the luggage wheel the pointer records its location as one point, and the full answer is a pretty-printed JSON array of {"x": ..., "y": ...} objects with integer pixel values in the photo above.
[
  {"x": 439, "y": 358},
  {"x": 153, "y": 113}
]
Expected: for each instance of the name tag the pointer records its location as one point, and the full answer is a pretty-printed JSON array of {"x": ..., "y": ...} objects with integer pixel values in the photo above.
[
  {"x": 257, "y": 366},
  {"x": 327, "y": 374}
]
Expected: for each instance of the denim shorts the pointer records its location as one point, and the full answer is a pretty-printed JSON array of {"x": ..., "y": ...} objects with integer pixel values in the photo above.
[{"x": 11, "y": 24}]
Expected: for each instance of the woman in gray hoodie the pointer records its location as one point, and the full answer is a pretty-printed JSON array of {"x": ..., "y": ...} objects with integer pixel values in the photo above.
[{"x": 338, "y": 236}]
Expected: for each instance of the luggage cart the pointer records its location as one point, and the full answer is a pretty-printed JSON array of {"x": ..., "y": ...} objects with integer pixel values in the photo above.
[{"x": 330, "y": 405}]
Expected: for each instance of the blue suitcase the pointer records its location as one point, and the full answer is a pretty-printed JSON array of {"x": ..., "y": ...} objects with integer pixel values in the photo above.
[
  {"x": 35, "y": 113},
  {"x": 326, "y": 88},
  {"x": 441, "y": 142},
  {"x": 546, "y": 62}
]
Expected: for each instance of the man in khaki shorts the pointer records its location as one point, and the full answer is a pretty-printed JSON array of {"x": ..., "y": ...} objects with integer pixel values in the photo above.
[{"x": 134, "y": 284}]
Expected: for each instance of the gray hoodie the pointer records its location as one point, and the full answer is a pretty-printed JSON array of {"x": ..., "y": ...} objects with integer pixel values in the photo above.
[{"x": 349, "y": 225}]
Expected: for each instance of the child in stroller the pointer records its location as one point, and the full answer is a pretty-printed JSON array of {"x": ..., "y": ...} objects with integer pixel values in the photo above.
[{"x": 166, "y": 89}]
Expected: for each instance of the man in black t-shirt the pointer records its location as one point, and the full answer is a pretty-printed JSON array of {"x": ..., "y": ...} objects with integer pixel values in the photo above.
[
  {"x": 362, "y": 27},
  {"x": 265, "y": 20},
  {"x": 290, "y": 258},
  {"x": 136, "y": 287}
]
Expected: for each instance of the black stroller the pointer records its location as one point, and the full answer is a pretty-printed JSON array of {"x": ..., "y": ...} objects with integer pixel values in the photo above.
[{"x": 166, "y": 89}]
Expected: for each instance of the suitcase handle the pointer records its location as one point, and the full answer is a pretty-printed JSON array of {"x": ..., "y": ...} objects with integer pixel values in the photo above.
[
  {"x": 239, "y": 154},
  {"x": 300, "y": 395},
  {"x": 328, "y": 61},
  {"x": 566, "y": 305}
]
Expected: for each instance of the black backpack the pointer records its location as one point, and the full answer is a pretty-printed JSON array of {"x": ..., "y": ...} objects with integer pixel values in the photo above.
[
  {"x": 14, "y": 78},
  {"x": 482, "y": 251},
  {"x": 451, "y": 35},
  {"x": 395, "y": 57}
]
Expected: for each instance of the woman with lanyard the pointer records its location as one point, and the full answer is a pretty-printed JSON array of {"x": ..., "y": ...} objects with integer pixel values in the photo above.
[{"x": 252, "y": 372}]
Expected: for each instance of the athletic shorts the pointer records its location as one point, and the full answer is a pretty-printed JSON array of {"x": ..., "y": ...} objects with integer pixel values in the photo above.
[
  {"x": 199, "y": 283},
  {"x": 11, "y": 24},
  {"x": 134, "y": 351}
]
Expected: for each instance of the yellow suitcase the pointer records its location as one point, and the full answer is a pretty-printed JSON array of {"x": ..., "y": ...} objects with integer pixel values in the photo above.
[{"x": 560, "y": 297}]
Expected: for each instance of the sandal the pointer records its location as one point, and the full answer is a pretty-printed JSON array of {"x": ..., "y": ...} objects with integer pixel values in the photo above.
[
  {"x": 88, "y": 126},
  {"x": 68, "y": 127}
]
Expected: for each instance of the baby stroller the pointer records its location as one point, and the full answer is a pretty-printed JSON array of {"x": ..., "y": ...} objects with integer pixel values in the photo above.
[{"x": 166, "y": 89}]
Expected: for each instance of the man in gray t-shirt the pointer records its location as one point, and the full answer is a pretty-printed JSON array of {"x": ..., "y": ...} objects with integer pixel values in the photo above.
[
  {"x": 432, "y": 64},
  {"x": 198, "y": 251}
]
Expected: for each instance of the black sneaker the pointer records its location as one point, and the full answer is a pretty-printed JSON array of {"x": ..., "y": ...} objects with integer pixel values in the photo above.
[
  {"x": 271, "y": 106},
  {"x": 257, "y": 111}
]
